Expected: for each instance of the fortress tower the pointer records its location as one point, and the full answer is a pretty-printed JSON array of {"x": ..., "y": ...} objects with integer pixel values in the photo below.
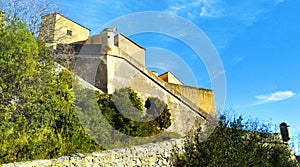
[{"x": 58, "y": 29}]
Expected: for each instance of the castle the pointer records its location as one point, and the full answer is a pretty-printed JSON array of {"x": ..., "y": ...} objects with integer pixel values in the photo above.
[{"x": 110, "y": 61}]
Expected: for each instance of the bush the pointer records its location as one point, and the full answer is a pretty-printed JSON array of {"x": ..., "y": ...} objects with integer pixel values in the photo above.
[
  {"x": 236, "y": 143},
  {"x": 126, "y": 102},
  {"x": 119, "y": 119}
]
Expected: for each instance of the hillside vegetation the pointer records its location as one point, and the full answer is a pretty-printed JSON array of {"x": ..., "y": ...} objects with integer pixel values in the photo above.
[{"x": 37, "y": 112}]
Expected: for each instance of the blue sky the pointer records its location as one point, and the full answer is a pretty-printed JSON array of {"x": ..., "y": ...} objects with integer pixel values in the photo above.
[{"x": 257, "y": 41}]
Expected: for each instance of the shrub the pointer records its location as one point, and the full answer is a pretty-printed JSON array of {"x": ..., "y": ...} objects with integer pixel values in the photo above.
[
  {"x": 126, "y": 102},
  {"x": 236, "y": 143}
]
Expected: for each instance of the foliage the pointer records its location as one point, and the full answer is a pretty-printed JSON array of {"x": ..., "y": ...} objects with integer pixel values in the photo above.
[
  {"x": 158, "y": 112},
  {"x": 112, "y": 128},
  {"x": 124, "y": 111},
  {"x": 37, "y": 111},
  {"x": 91, "y": 118},
  {"x": 231, "y": 145}
]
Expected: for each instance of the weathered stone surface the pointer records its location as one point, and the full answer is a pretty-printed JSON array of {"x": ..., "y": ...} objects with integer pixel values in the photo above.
[{"x": 152, "y": 154}]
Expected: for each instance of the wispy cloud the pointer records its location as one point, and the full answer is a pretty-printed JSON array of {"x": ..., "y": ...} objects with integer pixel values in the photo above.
[{"x": 273, "y": 97}]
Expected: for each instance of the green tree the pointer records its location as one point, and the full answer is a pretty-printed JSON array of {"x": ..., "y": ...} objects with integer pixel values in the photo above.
[
  {"x": 37, "y": 111},
  {"x": 237, "y": 143}
]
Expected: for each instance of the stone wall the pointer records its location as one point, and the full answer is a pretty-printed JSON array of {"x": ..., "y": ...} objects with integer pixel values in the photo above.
[{"x": 152, "y": 154}]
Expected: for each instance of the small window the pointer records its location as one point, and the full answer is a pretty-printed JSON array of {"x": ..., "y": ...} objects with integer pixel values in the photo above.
[{"x": 69, "y": 32}]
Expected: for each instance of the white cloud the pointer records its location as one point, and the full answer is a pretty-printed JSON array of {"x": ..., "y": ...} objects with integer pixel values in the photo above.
[
  {"x": 274, "y": 97},
  {"x": 207, "y": 12}
]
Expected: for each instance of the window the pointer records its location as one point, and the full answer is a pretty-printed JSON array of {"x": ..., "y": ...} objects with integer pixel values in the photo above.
[{"x": 69, "y": 32}]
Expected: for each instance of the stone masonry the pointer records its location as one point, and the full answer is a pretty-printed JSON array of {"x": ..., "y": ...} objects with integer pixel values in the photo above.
[{"x": 152, "y": 154}]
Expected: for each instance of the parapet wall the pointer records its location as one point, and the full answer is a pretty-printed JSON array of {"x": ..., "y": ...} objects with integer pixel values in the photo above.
[
  {"x": 152, "y": 154},
  {"x": 204, "y": 98}
]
